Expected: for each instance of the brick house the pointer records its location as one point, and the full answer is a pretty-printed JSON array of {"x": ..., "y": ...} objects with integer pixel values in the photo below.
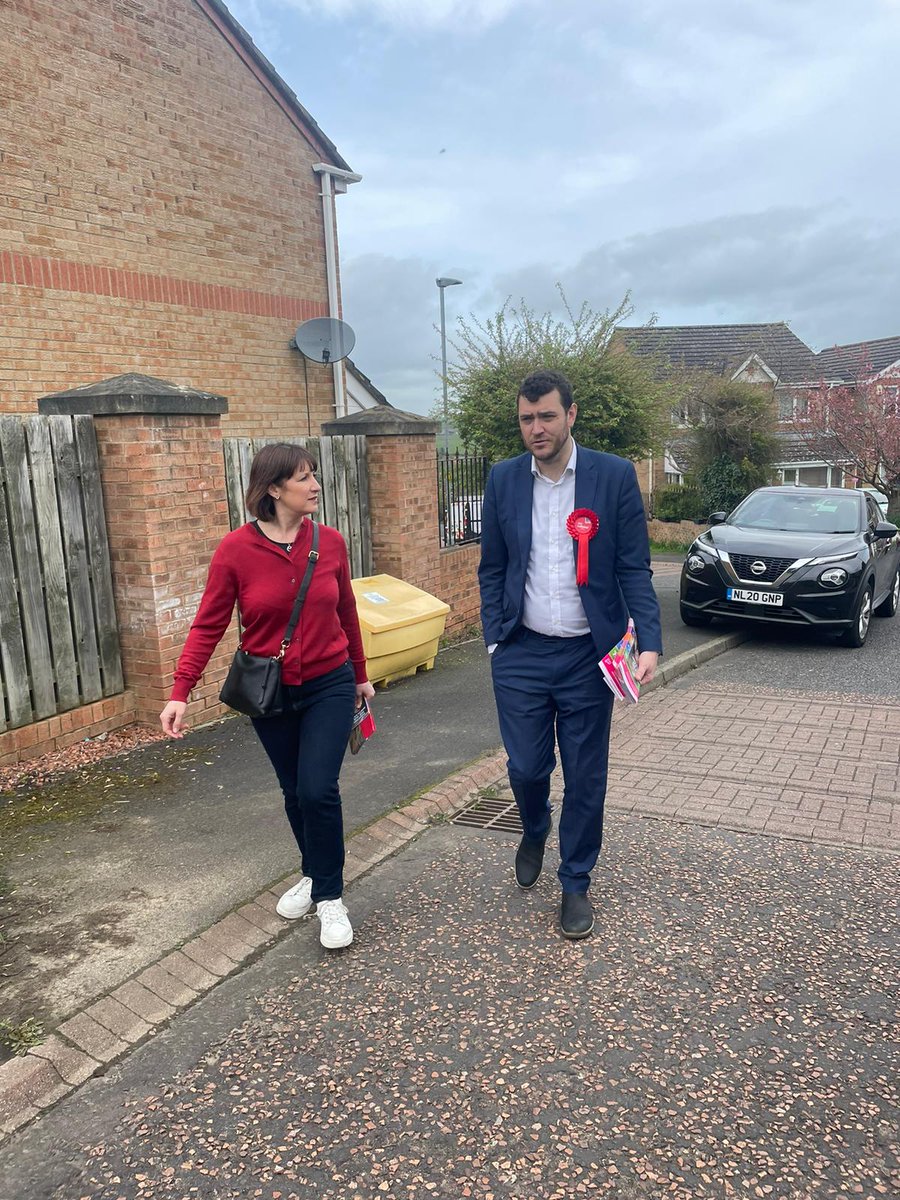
[
  {"x": 166, "y": 208},
  {"x": 767, "y": 354}
]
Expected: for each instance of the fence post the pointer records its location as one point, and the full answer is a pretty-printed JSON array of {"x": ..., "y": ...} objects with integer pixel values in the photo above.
[
  {"x": 162, "y": 473},
  {"x": 401, "y": 449}
]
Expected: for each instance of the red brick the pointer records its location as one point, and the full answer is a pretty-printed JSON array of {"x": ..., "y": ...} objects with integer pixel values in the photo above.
[
  {"x": 145, "y": 1003},
  {"x": 188, "y": 971},
  {"x": 26, "y": 1083},
  {"x": 71, "y": 1065},
  {"x": 93, "y": 1038}
]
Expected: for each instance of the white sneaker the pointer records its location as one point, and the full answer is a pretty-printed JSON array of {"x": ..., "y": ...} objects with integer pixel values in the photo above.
[
  {"x": 296, "y": 901},
  {"x": 336, "y": 928}
]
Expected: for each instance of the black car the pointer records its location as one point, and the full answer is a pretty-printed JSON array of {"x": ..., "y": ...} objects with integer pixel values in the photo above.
[{"x": 821, "y": 557}]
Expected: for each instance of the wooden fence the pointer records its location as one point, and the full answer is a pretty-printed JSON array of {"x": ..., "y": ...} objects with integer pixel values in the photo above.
[
  {"x": 344, "y": 475},
  {"x": 59, "y": 641}
]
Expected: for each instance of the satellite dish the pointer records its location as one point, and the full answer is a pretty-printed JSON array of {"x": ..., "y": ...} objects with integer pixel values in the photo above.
[{"x": 324, "y": 340}]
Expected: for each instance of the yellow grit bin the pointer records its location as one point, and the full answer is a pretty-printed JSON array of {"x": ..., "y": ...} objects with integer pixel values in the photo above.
[{"x": 401, "y": 626}]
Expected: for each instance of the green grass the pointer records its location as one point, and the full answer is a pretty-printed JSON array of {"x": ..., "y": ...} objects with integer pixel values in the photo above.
[
  {"x": 19, "y": 1038},
  {"x": 674, "y": 547}
]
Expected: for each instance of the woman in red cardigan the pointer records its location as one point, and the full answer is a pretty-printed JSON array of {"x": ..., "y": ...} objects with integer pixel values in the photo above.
[{"x": 260, "y": 565}]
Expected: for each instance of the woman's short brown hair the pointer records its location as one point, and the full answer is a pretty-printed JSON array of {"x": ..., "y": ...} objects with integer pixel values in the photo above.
[{"x": 272, "y": 465}]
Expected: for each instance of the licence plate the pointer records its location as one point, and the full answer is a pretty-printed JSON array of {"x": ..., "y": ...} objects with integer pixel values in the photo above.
[{"x": 752, "y": 596}]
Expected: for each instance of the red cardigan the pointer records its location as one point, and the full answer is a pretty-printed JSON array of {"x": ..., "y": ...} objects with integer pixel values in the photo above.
[{"x": 264, "y": 579}]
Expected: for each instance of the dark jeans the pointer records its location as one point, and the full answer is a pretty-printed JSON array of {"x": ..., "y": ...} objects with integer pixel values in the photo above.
[
  {"x": 306, "y": 747},
  {"x": 551, "y": 689}
]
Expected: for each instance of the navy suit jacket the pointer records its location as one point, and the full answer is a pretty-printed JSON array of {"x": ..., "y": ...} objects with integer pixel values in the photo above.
[{"x": 619, "y": 553}]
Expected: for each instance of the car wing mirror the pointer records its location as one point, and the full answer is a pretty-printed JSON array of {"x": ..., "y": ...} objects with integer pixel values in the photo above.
[
  {"x": 717, "y": 518},
  {"x": 885, "y": 529}
]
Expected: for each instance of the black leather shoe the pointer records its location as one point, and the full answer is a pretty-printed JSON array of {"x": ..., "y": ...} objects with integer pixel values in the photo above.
[
  {"x": 576, "y": 917},
  {"x": 529, "y": 860}
]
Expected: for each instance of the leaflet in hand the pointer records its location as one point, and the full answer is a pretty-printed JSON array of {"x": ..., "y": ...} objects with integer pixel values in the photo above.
[
  {"x": 619, "y": 667},
  {"x": 363, "y": 727}
]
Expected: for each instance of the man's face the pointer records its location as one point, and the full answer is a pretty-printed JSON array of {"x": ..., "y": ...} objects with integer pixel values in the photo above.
[{"x": 544, "y": 425}]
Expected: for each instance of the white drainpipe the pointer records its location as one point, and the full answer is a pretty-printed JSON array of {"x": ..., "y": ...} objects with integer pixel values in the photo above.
[{"x": 335, "y": 180}]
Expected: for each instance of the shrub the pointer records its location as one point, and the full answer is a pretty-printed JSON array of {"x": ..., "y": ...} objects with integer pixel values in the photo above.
[
  {"x": 723, "y": 484},
  {"x": 678, "y": 503}
]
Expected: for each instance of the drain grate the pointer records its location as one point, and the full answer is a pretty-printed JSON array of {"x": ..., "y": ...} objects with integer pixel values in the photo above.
[{"x": 490, "y": 813}]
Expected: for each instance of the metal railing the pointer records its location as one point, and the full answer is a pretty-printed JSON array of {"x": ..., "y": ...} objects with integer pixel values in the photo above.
[{"x": 460, "y": 483}]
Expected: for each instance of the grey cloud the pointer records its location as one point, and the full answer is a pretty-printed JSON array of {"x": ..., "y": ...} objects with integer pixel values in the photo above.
[
  {"x": 829, "y": 274},
  {"x": 394, "y": 309}
]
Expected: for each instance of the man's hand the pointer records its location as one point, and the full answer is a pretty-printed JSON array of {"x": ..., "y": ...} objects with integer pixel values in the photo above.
[
  {"x": 646, "y": 667},
  {"x": 172, "y": 718}
]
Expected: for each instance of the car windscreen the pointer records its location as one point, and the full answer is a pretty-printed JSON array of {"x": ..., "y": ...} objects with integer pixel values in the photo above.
[{"x": 797, "y": 513}]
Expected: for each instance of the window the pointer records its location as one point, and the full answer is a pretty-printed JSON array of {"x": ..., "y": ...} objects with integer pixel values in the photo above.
[
  {"x": 813, "y": 475},
  {"x": 790, "y": 406}
]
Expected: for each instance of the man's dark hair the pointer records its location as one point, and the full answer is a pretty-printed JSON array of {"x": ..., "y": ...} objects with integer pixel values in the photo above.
[{"x": 539, "y": 383}]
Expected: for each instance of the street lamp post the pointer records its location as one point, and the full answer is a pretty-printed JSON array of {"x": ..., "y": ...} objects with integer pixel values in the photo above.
[{"x": 442, "y": 283}]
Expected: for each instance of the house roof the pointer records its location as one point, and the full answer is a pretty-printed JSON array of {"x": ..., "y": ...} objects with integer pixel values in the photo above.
[
  {"x": 789, "y": 448},
  {"x": 722, "y": 349},
  {"x": 243, "y": 45},
  {"x": 850, "y": 361},
  {"x": 367, "y": 383},
  {"x": 794, "y": 449}
]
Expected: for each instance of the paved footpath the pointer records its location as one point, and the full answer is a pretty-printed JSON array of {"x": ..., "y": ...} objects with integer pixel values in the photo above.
[{"x": 726, "y": 1031}]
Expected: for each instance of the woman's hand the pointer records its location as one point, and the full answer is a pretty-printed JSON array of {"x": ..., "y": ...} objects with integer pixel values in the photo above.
[
  {"x": 172, "y": 718},
  {"x": 364, "y": 691}
]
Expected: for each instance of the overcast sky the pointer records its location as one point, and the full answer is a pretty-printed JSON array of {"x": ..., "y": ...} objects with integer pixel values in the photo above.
[{"x": 723, "y": 162}]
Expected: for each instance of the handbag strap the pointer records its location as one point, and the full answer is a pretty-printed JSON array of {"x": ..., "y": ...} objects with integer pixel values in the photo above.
[{"x": 304, "y": 588}]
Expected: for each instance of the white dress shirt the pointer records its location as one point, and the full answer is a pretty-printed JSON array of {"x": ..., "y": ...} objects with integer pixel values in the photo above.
[{"x": 552, "y": 599}]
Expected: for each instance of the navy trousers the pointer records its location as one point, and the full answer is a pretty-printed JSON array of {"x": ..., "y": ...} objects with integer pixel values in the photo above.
[
  {"x": 550, "y": 689},
  {"x": 306, "y": 746}
]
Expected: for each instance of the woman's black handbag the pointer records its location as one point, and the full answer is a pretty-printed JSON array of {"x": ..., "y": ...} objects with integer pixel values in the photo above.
[{"x": 253, "y": 683}]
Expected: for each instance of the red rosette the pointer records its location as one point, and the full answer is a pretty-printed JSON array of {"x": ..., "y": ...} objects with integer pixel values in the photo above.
[{"x": 581, "y": 525}]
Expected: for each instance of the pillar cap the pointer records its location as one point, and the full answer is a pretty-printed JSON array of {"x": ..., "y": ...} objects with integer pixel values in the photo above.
[
  {"x": 382, "y": 421},
  {"x": 131, "y": 393}
]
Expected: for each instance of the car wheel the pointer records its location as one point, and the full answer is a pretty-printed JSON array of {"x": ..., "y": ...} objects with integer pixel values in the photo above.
[
  {"x": 888, "y": 606},
  {"x": 698, "y": 620},
  {"x": 862, "y": 619}
]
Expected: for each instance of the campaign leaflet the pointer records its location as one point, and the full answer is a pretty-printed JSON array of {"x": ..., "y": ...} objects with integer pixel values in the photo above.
[
  {"x": 363, "y": 727},
  {"x": 619, "y": 667}
]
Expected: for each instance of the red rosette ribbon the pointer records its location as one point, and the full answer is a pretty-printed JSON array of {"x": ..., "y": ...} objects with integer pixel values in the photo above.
[{"x": 582, "y": 524}]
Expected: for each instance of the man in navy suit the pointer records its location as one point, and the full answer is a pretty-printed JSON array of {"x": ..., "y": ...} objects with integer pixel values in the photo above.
[{"x": 546, "y": 633}]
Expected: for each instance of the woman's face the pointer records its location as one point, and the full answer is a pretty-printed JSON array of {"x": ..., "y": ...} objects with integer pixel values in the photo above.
[{"x": 299, "y": 493}]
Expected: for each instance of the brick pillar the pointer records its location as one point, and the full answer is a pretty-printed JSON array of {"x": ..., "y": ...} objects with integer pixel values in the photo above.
[
  {"x": 163, "y": 478},
  {"x": 403, "y": 500}
]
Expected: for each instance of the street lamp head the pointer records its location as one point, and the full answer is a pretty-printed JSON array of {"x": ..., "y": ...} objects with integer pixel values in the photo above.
[{"x": 445, "y": 282}]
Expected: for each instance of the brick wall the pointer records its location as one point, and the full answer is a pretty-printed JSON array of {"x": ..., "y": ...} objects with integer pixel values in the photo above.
[
  {"x": 159, "y": 212},
  {"x": 164, "y": 494},
  {"x": 459, "y": 586},
  {"x": 404, "y": 508},
  {"x": 55, "y": 733}
]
